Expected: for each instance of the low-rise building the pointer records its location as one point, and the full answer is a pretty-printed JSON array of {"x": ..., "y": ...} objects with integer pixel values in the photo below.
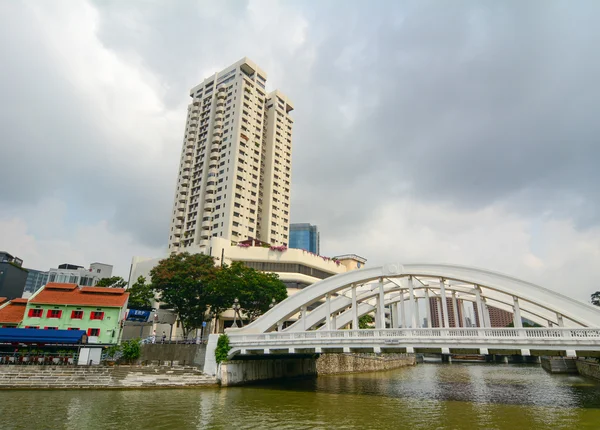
[
  {"x": 73, "y": 274},
  {"x": 296, "y": 268},
  {"x": 11, "y": 312},
  {"x": 12, "y": 276},
  {"x": 97, "y": 310}
]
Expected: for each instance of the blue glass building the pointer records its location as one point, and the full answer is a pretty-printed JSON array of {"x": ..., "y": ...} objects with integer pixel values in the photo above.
[{"x": 304, "y": 236}]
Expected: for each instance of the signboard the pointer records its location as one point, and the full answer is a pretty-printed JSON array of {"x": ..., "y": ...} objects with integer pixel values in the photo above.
[{"x": 138, "y": 315}]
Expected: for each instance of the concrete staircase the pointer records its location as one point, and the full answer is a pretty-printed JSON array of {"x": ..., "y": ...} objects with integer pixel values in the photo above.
[
  {"x": 560, "y": 364},
  {"x": 101, "y": 377}
]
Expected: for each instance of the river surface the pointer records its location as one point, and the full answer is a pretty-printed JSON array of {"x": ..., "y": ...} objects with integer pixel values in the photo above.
[{"x": 427, "y": 396}]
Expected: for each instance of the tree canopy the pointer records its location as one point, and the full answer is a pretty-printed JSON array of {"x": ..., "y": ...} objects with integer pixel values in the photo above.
[
  {"x": 140, "y": 295},
  {"x": 255, "y": 290},
  {"x": 191, "y": 285},
  {"x": 182, "y": 281},
  {"x": 112, "y": 282}
]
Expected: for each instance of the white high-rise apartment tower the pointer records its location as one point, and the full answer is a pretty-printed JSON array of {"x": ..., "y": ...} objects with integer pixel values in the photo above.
[{"x": 235, "y": 171}]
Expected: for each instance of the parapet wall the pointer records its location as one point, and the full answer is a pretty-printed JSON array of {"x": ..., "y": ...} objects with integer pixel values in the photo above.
[
  {"x": 588, "y": 368},
  {"x": 329, "y": 364}
]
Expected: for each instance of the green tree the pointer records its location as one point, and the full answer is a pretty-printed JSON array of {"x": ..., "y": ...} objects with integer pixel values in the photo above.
[
  {"x": 112, "y": 282},
  {"x": 131, "y": 350},
  {"x": 140, "y": 295},
  {"x": 183, "y": 280},
  {"x": 596, "y": 298},
  {"x": 222, "y": 349},
  {"x": 255, "y": 290},
  {"x": 366, "y": 321}
]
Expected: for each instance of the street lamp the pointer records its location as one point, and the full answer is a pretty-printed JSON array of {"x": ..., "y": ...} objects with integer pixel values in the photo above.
[{"x": 236, "y": 311}]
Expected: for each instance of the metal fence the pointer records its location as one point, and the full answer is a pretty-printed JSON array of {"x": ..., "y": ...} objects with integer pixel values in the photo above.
[{"x": 38, "y": 359}]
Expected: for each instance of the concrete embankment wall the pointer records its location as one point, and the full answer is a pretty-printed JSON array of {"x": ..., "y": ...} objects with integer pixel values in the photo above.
[
  {"x": 100, "y": 377},
  {"x": 329, "y": 364},
  {"x": 173, "y": 354},
  {"x": 238, "y": 372},
  {"x": 559, "y": 364},
  {"x": 588, "y": 368}
]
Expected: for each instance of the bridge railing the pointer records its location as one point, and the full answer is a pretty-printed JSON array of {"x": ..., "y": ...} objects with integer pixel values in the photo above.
[{"x": 423, "y": 333}]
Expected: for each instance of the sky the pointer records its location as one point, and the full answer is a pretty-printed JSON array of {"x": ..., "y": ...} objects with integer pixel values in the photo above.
[{"x": 461, "y": 132}]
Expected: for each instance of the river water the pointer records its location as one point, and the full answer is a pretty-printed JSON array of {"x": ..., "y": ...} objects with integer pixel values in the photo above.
[{"x": 427, "y": 396}]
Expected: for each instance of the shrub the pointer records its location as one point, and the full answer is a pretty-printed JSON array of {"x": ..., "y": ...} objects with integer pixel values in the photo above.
[
  {"x": 223, "y": 348},
  {"x": 131, "y": 350}
]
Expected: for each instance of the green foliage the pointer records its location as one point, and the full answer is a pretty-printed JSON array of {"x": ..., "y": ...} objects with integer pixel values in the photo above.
[
  {"x": 366, "y": 321},
  {"x": 112, "y": 282},
  {"x": 140, "y": 295},
  {"x": 255, "y": 290},
  {"x": 131, "y": 350},
  {"x": 222, "y": 349},
  {"x": 182, "y": 281},
  {"x": 596, "y": 298},
  {"x": 113, "y": 350}
]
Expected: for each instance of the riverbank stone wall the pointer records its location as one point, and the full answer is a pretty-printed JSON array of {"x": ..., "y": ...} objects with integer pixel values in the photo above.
[
  {"x": 589, "y": 368},
  {"x": 238, "y": 372},
  {"x": 330, "y": 364},
  {"x": 173, "y": 354}
]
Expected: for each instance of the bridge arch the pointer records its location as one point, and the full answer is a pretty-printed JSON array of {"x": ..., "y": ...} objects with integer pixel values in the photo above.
[{"x": 400, "y": 293}]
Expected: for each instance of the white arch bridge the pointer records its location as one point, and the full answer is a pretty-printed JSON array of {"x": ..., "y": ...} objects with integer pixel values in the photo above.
[{"x": 324, "y": 316}]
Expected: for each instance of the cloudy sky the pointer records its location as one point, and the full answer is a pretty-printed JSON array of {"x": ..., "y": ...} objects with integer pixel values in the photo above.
[{"x": 459, "y": 132}]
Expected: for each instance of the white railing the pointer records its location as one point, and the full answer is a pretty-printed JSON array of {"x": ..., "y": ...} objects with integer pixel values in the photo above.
[{"x": 409, "y": 334}]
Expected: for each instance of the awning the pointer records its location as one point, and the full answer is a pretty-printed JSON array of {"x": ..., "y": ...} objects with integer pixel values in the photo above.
[
  {"x": 138, "y": 315},
  {"x": 28, "y": 335}
]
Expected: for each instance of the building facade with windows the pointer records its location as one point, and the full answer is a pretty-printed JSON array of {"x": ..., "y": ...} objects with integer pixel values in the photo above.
[
  {"x": 73, "y": 274},
  {"x": 305, "y": 236},
  {"x": 36, "y": 279},
  {"x": 12, "y": 276},
  {"x": 97, "y": 310},
  {"x": 235, "y": 171}
]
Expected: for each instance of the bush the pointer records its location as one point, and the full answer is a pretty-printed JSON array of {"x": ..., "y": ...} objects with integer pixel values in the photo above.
[
  {"x": 223, "y": 348},
  {"x": 131, "y": 350}
]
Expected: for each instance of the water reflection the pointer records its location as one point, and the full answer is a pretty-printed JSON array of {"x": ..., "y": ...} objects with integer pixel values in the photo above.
[{"x": 453, "y": 396}]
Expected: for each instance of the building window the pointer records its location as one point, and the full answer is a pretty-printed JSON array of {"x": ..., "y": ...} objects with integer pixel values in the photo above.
[
  {"x": 97, "y": 316},
  {"x": 32, "y": 326},
  {"x": 54, "y": 313},
  {"x": 73, "y": 328},
  {"x": 50, "y": 328},
  {"x": 93, "y": 332},
  {"x": 35, "y": 313},
  {"x": 76, "y": 315}
]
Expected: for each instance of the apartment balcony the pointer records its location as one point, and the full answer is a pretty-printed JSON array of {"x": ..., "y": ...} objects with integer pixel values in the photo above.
[
  {"x": 219, "y": 117},
  {"x": 191, "y": 138},
  {"x": 196, "y": 103},
  {"x": 220, "y": 110},
  {"x": 220, "y": 103},
  {"x": 206, "y": 224},
  {"x": 177, "y": 232}
]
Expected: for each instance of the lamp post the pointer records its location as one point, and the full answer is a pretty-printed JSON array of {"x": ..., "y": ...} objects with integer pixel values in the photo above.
[{"x": 236, "y": 311}]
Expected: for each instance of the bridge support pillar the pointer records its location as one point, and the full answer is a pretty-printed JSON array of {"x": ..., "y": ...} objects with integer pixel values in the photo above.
[
  {"x": 525, "y": 352},
  {"x": 318, "y": 350},
  {"x": 571, "y": 353},
  {"x": 346, "y": 349},
  {"x": 483, "y": 351},
  {"x": 446, "y": 358},
  {"x": 377, "y": 350},
  {"x": 266, "y": 351},
  {"x": 446, "y": 351},
  {"x": 291, "y": 350}
]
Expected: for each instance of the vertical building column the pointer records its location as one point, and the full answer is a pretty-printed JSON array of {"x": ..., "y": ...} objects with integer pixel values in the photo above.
[
  {"x": 381, "y": 307},
  {"x": 328, "y": 309},
  {"x": 418, "y": 318},
  {"x": 428, "y": 307},
  {"x": 411, "y": 298},
  {"x": 517, "y": 321},
  {"x": 559, "y": 320},
  {"x": 444, "y": 302},
  {"x": 439, "y": 313},
  {"x": 455, "y": 309},
  {"x": 395, "y": 316},
  {"x": 402, "y": 310},
  {"x": 354, "y": 309},
  {"x": 479, "y": 306}
]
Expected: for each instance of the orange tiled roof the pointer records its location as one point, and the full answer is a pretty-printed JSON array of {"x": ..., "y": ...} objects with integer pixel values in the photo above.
[
  {"x": 13, "y": 311},
  {"x": 60, "y": 294},
  {"x": 2, "y": 300}
]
